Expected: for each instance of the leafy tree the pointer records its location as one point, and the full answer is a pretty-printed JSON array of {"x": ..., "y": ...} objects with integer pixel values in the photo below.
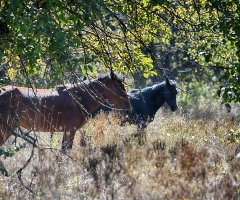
[
  {"x": 53, "y": 39},
  {"x": 63, "y": 40}
]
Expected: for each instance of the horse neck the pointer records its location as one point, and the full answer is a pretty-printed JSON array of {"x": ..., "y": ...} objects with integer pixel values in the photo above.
[
  {"x": 93, "y": 95},
  {"x": 158, "y": 95}
]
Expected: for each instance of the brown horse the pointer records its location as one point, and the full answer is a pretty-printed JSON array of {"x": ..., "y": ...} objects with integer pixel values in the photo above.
[{"x": 63, "y": 109}]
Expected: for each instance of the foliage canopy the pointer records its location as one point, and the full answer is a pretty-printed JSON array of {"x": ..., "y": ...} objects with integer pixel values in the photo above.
[{"x": 59, "y": 40}]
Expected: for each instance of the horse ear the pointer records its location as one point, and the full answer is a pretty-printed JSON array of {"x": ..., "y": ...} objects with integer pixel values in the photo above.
[
  {"x": 112, "y": 75},
  {"x": 167, "y": 81}
]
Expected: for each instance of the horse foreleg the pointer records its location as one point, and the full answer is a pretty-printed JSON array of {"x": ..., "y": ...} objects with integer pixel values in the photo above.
[
  {"x": 6, "y": 130},
  {"x": 67, "y": 142}
]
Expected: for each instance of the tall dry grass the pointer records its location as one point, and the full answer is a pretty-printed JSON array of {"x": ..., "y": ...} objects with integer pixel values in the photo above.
[{"x": 181, "y": 158}]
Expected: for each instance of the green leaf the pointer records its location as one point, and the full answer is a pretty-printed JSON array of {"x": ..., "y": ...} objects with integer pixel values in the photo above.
[
  {"x": 219, "y": 92},
  {"x": 225, "y": 96},
  {"x": 113, "y": 28},
  {"x": 90, "y": 68},
  {"x": 208, "y": 57},
  {"x": 107, "y": 17},
  {"x": 1, "y": 55},
  {"x": 84, "y": 71},
  {"x": 78, "y": 40},
  {"x": 228, "y": 107},
  {"x": 16, "y": 149},
  {"x": 226, "y": 75},
  {"x": 4, "y": 171}
]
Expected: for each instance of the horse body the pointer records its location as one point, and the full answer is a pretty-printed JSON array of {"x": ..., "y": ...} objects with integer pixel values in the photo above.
[
  {"x": 63, "y": 109},
  {"x": 146, "y": 103}
]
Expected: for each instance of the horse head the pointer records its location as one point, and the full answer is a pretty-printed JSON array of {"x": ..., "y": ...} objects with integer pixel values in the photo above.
[{"x": 170, "y": 94}]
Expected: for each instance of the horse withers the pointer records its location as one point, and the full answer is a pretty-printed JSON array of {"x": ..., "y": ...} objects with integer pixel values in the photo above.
[
  {"x": 146, "y": 103},
  {"x": 63, "y": 109}
]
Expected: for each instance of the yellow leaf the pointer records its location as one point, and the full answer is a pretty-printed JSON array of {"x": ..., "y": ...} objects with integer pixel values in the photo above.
[{"x": 146, "y": 75}]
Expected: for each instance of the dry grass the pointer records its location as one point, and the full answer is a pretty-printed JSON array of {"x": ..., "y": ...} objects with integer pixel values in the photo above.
[{"x": 180, "y": 159}]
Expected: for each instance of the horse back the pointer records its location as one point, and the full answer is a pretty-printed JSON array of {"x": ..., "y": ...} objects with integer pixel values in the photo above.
[{"x": 9, "y": 95}]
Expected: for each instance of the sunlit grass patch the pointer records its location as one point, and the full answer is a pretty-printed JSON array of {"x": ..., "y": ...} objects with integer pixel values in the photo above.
[
  {"x": 181, "y": 158},
  {"x": 106, "y": 129},
  {"x": 200, "y": 133}
]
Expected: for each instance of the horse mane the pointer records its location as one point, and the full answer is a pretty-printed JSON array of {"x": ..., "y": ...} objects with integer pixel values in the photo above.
[
  {"x": 85, "y": 83},
  {"x": 117, "y": 77},
  {"x": 158, "y": 87}
]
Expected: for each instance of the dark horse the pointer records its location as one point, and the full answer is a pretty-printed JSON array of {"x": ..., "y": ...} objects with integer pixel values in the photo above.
[
  {"x": 146, "y": 103},
  {"x": 63, "y": 109}
]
